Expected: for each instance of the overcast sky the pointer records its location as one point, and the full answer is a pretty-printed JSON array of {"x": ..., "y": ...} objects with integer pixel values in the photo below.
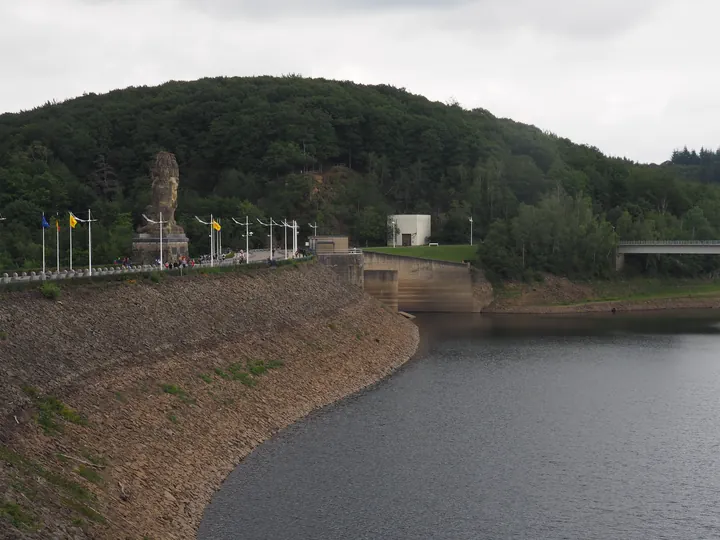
[{"x": 635, "y": 78}]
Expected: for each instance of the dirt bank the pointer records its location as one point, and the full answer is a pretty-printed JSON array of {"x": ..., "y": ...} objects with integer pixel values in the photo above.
[
  {"x": 557, "y": 295},
  {"x": 125, "y": 405}
]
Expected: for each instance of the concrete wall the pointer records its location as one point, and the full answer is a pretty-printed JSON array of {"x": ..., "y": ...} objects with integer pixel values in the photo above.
[
  {"x": 348, "y": 267},
  {"x": 427, "y": 286},
  {"x": 383, "y": 285},
  {"x": 416, "y": 225}
]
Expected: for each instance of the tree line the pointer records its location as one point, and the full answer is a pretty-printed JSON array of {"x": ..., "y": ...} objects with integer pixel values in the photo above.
[{"x": 345, "y": 156}]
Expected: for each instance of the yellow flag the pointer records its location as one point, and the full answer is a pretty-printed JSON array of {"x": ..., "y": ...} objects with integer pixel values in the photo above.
[
  {"x": 73, "y": 221},
  {"x": 216, "y": 225}
]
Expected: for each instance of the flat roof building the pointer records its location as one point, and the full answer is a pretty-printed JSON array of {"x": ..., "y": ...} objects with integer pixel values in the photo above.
[
  {"x": 329, "y": 244},
  {"x": 410, "y": 230}
]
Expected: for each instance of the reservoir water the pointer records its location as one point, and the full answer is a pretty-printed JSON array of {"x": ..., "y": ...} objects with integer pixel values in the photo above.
[{"x": 504, "y": 428}]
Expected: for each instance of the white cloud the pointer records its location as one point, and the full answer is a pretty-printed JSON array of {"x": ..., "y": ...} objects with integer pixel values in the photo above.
[{"x": 634, "y": 79}]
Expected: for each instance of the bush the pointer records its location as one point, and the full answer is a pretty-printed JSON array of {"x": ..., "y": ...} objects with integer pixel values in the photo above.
[
  {"x": 50, "y": 290},
  {"x": 257, "y": 368}
]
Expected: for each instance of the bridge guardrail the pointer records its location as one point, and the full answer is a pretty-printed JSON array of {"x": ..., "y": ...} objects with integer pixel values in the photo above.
[
  {"x": 669, "y": 243},
  {"x": 27, "y": 277}
]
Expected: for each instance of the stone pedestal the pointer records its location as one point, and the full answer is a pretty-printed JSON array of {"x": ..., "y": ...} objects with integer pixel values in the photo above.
[{"x": 146, "y": 247}]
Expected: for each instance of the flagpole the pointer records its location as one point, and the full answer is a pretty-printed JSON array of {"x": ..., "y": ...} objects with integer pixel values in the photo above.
[
  {"x": 71, "y": 229},
  {"x": 43, "y": 230},
  {"x": 89, "y": 243},
  {"x": 161, "y": 251},
  {"x": 295, "y": 238},
  {"x": 57, "y": 242}
]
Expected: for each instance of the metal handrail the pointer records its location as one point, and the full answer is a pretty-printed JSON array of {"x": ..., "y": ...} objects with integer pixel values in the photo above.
[
  {"x": 669, "y": 243},
  {"x": 351, "y": 251}
]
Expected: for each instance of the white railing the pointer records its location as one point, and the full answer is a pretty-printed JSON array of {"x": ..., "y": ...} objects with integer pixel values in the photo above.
[
  {"x": 669, "y": 243},
  {"x": 26, "y": 277},
  {"x": 351, "y": 251}
]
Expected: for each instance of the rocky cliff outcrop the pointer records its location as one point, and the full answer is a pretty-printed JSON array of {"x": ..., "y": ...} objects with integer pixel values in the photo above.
[{"x": 125, "y": 405}]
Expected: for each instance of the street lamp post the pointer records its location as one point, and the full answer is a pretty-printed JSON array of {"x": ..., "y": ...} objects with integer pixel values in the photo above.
[
  {"x": 57, "y": 243},
  {"x": 89, "y": 221},
  {"x": 471, "y": 230},
  {"x": 212, "y": 238},
  {"x": 247, "y": 236},
  {"x": 218, "y": 244},
  {"x": 394, "y": 234},
  {"x": 314, "y": 228},
  {"x": 160, "y": 223},
  {"x": 270, "y": 224},
  {"x": 294, "y": 228},
  {"x": 285, "y": 228}
]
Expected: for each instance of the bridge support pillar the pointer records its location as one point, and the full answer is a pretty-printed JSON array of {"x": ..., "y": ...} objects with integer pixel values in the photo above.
[{"x": 619, "y": 261}]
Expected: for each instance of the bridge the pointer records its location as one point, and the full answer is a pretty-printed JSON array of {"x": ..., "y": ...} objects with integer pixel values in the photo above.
[{"x": 665, "y": 247}]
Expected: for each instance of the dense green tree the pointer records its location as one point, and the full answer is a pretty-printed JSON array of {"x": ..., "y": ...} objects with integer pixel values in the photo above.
[{"x": 344, "y": 156}]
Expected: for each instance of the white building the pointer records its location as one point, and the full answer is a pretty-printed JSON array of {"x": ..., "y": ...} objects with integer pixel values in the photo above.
[{"x": 411, "y": 230}]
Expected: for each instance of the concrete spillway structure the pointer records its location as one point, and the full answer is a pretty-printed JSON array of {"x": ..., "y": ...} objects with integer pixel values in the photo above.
[
  {"x": 383, "y": 285},
  {"x": 413, "y": 284},
  {"x": 426, "y": 285}
]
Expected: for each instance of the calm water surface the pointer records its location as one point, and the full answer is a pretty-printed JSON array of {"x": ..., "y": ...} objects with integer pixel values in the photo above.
[{"x": 504, "y": 428}]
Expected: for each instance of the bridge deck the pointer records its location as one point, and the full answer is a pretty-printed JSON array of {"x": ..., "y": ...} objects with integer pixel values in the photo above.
[{"x": 670, "y": 247}]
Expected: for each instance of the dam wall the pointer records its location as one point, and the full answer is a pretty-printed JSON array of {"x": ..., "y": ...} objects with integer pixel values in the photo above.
[
  {"x": 383, "y": 285},
  {"x": 348, "y": 266},
  {"x": 427, "y": 285},
  {"x": 124, "y": 404}
]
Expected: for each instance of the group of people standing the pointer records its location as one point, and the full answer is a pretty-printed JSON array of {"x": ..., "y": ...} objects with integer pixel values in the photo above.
[
  {"x": 122, "y": 261},
  {"x": 182, "y": 262},
  {"x": 185, "y": 262}
]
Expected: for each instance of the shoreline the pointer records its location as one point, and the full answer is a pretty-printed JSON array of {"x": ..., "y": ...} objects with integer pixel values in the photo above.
[
  {"x": 144, "y": 441},
  {"x": 620, "y": 306},
  {"x": 558, "y": 295}
]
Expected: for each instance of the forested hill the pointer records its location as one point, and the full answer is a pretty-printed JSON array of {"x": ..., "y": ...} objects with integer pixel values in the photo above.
[{"x": 344, "y": 155}]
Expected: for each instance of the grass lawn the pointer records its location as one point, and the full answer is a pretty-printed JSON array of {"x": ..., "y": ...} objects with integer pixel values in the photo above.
[
  {"x": 639, "y": 289},
  {"x": 650, "y": 288},
  {"x": 438, "y": 253}
]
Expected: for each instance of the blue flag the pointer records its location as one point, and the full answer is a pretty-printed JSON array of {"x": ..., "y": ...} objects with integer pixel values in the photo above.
[{"x": 45, "y": 224}]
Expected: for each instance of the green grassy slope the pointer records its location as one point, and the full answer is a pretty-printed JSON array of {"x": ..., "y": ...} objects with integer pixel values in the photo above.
[{"x": 439, "y": 253}]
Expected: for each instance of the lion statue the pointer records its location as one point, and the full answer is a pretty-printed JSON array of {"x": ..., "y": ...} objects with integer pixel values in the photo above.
[{"x": 165, "y": 175}]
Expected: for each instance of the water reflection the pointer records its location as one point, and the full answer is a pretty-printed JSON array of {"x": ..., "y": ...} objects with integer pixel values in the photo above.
[
  {"x": 450, "y": 326},
  {"x": 516, "y": 427}
]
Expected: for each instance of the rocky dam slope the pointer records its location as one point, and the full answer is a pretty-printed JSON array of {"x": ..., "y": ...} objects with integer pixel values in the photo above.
[{"x": 125, "y": 404}]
